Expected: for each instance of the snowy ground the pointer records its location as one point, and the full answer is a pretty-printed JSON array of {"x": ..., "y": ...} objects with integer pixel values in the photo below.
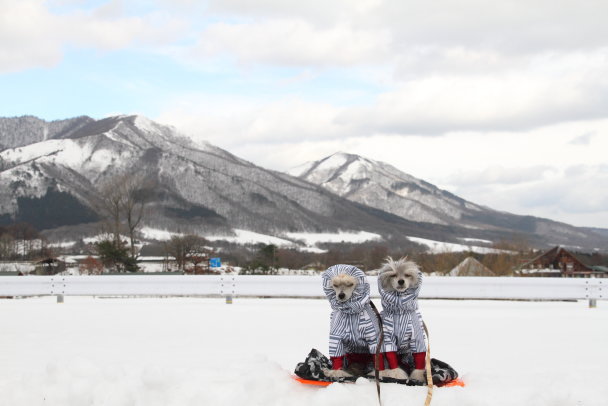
[{"x": 189, "y": 351}]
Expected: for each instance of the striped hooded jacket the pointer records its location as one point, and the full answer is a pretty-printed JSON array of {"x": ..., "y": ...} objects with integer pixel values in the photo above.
[
  {"x": 402, "y": 321},
  {"x": 353, "y": 324}
]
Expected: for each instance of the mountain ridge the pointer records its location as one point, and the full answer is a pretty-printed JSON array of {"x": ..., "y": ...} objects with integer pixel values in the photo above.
[
  {"x": 386, "y": 188},
  {"x": 205, "y": 189}
]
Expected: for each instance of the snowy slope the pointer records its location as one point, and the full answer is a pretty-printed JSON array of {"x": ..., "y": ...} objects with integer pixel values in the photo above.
[
  {"x": 380, "y": 185},
  {"x": 191, "y": 352}
]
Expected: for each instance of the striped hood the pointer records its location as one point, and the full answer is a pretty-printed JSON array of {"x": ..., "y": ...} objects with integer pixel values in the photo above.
[
  {"x": 395, "y": 302},
  {"x": 361, "y": 295}
]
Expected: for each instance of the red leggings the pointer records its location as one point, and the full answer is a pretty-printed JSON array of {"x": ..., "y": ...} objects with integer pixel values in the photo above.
[{"x": 391, "y": 357}]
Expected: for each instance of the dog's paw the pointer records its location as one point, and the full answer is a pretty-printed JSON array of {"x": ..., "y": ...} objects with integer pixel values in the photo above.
[
  {"x": 396, "y": 373},
  {"x": 418, "y": 375},
  {"x": 336, "y": 373}
]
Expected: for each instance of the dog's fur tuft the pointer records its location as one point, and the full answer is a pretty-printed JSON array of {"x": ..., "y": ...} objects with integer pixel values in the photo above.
[{"x": 398, "y": 275}]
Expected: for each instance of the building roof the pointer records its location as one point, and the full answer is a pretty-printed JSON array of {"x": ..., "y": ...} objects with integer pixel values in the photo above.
[
  {"x": 600, "y": 268},
  {"x": 48, "y": 261},
  {"x": 471, "y": 267},
  {"x": 594, "y": 262}
]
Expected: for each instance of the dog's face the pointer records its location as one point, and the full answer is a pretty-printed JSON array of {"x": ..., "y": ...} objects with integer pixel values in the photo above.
[
  {"x": 344, "y": 285},
  {"x": 399, "y": 275}
]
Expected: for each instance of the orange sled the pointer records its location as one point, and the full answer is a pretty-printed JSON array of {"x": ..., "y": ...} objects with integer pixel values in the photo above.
[{"x": 455, "y": 382}]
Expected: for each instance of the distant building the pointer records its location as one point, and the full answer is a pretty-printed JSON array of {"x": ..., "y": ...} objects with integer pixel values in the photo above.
[
  {"x": 559, "y": 262},
  {"x": 49, "y": 266},
  {"x": 156, "y": 263},
  {"x": 471, "y": 267},
  {"x": 314, "y": 266}
]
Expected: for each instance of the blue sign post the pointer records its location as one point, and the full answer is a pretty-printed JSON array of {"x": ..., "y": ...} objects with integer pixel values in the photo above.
[{"x": 215, "y": 262}]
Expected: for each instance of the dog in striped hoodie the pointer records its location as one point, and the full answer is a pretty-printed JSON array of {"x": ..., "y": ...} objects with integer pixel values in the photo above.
[
  {"x": 399, "y": 284},
  {"x": 354, "y": 327}
]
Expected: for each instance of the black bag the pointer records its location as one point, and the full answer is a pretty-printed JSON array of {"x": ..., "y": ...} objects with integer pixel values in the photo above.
[{"x": 312, "y": 368}]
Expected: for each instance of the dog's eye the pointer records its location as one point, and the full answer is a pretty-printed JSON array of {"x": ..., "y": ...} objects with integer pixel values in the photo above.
[{"x": 349, "y": 285}]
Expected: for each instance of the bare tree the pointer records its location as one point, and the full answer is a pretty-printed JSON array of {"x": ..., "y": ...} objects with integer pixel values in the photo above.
[
  {"x": 182, "y": 248},
  {"x": 25, "y": 236},
  {"x": 123, "y": 203},
  {"x": 136, "y": 196},
  {"x": 7, "y": 246},
  {"x": 110, "y": 205}
]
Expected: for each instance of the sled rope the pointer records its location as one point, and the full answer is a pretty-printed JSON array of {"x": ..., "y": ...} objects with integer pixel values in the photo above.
[
  {"x": 378, "y": 350},
  {"x": 429, "y": 374}
]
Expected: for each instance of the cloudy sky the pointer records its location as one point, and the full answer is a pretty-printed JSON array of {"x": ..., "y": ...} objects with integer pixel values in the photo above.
[{"x": 502, "y": 103}]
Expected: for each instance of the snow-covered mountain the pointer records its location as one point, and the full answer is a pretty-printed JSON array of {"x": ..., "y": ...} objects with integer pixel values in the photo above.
[
  {"x": 52, "y": 174},
  {"x": 382, "y": 186}
]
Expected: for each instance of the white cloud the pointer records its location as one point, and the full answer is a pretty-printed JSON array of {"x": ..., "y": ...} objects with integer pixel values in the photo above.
[
  {"x": 317, "y": 12},
  {"x": 503, "y": 175},
  {"x": 552, "y": 88},
  {"x": 33, "y": 36},
  {"x": 293, "y": 43},
  {"x": 577, "y": 196},
  {"x": 233, "y": 120},
  {"x": 474, "y": 25},
  {"x": 558, "y": 90},
  {"x": 583, "y": 139}
]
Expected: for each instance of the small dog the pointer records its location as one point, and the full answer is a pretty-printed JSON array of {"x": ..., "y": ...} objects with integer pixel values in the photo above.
[
  {"x": 399, "y": 284},
  {"x": 354, "y": 327}
]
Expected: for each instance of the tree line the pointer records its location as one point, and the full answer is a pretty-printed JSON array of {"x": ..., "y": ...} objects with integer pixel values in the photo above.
[
  {"x": 268, "y": 258},
  {"x": 21, "y": 241}
]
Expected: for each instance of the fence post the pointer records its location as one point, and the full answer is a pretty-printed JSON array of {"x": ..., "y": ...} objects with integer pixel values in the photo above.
[
  {"x": 227, "y": 287},
  {"x": 58, "y": 287}
]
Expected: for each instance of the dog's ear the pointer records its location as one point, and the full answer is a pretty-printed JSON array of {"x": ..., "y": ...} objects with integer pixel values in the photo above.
[
  {"x": 415, "y": 278},
  {"x": 384, "y": 278}
]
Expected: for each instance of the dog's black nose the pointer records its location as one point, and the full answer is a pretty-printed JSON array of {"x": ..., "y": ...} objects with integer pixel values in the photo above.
[
  {"x": 341, "y": 295},
  {"x": 400, "y": 281}
]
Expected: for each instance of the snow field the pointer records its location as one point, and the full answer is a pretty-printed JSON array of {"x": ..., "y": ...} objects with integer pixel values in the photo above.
[
  {"x": 438, "y": 247},
  {"x": 192, "y": 351},
  {"x": 344, "y": 236}
]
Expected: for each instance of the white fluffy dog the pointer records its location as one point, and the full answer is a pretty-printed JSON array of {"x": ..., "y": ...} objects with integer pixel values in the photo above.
[
  {"x": 354, "y": 330},
  {"x": 399, "y": 284}
]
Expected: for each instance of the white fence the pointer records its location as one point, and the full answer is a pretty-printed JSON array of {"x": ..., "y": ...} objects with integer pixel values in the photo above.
[{"x": 294, "y": 286}]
